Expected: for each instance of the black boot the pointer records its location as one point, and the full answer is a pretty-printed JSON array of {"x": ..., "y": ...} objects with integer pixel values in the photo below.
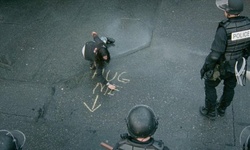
[
  {"x": 222, "y": 105},
  {"x": 209, "y": 113},
  {"x": 221, "y": 111},
  {"x": 110, "y": 40}
]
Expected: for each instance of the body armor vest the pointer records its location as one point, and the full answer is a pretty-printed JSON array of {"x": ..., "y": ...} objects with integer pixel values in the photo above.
[
  {"x": 238, "y": 39},
  {"x": 127, "y": 144}
]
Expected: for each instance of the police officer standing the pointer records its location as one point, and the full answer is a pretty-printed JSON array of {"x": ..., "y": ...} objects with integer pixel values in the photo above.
[
  {"x": 141, "y": 124},
  {"x": 231, "y": 44},
  {"x": 96, "y": 52}
]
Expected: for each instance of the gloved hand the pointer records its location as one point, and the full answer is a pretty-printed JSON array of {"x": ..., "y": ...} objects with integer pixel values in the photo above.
[
  {"x": 209, "y": 74},
  {"x": 203, "y": 71},
  {"x": 206, "y": 73}
]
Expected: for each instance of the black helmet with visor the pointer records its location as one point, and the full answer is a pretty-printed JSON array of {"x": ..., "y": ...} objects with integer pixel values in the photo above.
[
  {"x": 141, "y": 121},
  {"x": 233, "y": 7}
]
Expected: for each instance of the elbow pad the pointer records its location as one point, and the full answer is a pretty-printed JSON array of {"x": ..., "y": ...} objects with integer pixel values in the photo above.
[
  {"x": 212, "y": 59},
  {"x": 214, "y": 56}
]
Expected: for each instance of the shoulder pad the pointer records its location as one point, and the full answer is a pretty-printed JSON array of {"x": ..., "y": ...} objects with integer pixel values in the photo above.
[
  {"x": 223, "y": 22},
  {"x": 124, "y": 136},
  {"x": 158, "y": 144}
]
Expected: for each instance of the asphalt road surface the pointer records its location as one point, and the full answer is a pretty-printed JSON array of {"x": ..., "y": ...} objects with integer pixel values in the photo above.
[{"x": 48, "y": 92}]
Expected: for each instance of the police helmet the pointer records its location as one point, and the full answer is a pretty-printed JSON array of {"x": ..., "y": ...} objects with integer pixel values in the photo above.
[
  {"x": 233, "y": 7},
  {"x": 141, "y": 121},
  {"x": 12, "y": 140}
]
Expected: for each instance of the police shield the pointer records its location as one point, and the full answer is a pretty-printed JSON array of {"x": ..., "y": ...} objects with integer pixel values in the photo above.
[
  {"x": 222, "y": 4},
  {"x": 245, "y": 137}
]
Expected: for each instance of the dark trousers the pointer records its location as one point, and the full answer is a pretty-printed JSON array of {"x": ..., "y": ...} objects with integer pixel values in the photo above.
[{"x": 227, "y": 95}]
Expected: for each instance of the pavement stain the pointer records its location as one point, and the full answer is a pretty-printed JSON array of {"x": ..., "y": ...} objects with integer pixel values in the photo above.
[
  {"x": 5, "y": 62},
  {"x": 74, "y": 81},
  {"x": 41, "y": 113},
  {"x": 91, "y": 131}
]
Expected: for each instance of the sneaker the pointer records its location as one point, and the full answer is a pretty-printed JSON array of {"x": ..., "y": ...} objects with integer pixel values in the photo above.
[
  {"x": 110, "y": 40},
  {"x": 209, "y": 114},
  {"x": 221, "y": 112}
]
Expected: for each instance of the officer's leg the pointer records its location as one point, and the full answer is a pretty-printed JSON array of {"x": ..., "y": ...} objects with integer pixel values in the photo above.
[
  {"x": 210, "y": 99},
  {"x": 228, "y": 93}
]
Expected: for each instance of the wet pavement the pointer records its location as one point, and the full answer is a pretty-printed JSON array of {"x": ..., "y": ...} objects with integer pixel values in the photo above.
[{"x": 48, "y": 92}]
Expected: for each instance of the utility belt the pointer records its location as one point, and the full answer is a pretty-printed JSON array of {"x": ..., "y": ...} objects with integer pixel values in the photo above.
[{"x": 127, "y": 143}]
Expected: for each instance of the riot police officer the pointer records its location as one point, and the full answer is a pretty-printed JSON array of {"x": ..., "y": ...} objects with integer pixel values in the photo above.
[
  {"x": 141, "y": 124},
  {"x": 12, "y": 140},
  {"x": 96, "y": 52},
  {"x": 231, "y": 44}
]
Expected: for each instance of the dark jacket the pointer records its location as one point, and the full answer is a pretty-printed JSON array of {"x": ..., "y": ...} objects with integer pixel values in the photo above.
[{"x": 97, "y": 57}]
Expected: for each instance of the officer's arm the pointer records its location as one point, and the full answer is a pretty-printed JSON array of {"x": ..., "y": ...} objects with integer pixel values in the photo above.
[
  {"x": 212, "y": 60},
  {"x": 218, "y": 48}
]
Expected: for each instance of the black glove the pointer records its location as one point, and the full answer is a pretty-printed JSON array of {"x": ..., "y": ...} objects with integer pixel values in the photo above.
[
  {"x": 209, "y": 74},
  {"x": 203, "y": 71},
  {"x": 206, "y": 73}
]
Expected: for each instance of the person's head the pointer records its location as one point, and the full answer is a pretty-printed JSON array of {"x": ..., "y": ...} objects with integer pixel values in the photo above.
[
  {"x": 231, "y": 8},
  {"x": 245, "y": 138},
  {"x": 141, "y": 122},
  {"x": 11, "y": 140}
]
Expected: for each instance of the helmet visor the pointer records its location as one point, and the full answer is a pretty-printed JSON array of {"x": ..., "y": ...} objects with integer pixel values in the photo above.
[
  {"x": 222, "y": 4},
  {"x": 244, "y": 136}
]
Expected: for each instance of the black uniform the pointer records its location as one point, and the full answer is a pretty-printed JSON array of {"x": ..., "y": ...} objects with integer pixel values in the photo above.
[
  {"x": 95, "y": 58},
  {"x": 225, "y": 52},
  {"x": 129, "y": 143}
]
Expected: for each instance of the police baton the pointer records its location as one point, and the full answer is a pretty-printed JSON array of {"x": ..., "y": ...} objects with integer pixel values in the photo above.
[{"x": 106, "y": 146}]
